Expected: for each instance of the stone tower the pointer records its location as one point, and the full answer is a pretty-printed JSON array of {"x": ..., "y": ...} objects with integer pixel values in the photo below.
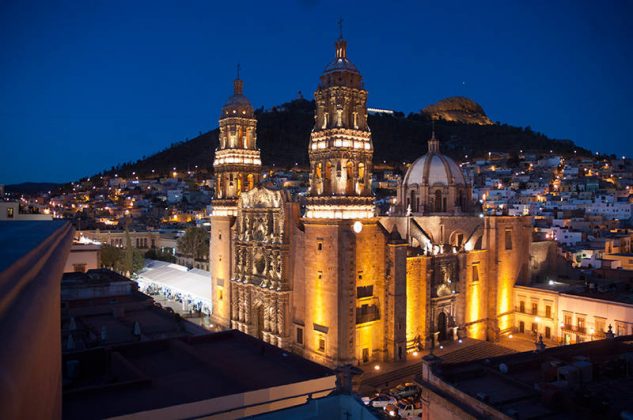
[
  {"x": 340, "y": 147},
  {"x": 344, "y": 246},
  {"x": 237, "y": 168},
  {"x": 237, "y": 163}
]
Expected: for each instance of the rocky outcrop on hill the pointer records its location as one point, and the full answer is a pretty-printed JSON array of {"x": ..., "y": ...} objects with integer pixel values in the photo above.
[{"x": 458, "y": 109}]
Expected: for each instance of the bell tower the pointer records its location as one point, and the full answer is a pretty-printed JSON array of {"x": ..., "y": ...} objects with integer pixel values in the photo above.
[
  {"x": 237, "y": 163},
  {"x": 343, "y": 244},
  {"x": 340, "y": 147},
  {"x": 237, "y": 168}
]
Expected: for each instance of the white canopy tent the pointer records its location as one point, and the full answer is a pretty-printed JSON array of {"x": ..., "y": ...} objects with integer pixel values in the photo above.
[{"x": 176, "y": 280}]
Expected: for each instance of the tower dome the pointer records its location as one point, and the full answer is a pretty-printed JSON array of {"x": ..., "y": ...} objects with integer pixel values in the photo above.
[
  {"x": 434, "y": 183},
  {"x": 237, "y": 105}
]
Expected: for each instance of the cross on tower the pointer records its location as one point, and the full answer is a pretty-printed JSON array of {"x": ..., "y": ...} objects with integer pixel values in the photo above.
[{"x": 340, "y": 28}]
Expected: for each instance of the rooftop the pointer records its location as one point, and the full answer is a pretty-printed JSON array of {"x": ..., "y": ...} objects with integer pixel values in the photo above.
[
  {"x": 548, "y": 383},
  {"x": 162, "y": 373}
]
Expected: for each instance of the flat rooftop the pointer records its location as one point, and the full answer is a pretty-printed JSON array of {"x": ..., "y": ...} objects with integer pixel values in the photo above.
[
  {"x": 528, "y": 384},
  {"x": 162, "y": 373}
]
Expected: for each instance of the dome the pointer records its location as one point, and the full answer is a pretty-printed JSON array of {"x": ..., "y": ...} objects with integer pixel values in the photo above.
[
  {"x": 238, "y": 104},
  {"x": 434, "y": 168},
  {"x": 341, "y": 64}
]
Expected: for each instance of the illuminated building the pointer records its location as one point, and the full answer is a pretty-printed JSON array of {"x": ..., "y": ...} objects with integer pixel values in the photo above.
[
  {"x": 339, "y": 284},
  {"x": 237, "y": 167}
]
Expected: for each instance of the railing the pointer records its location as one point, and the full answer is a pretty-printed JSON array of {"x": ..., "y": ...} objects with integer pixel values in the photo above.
[
  {"x": 367, "y": 314},
  {"x": 574, "y": 328},
  {"x": 528, "y": 311}
]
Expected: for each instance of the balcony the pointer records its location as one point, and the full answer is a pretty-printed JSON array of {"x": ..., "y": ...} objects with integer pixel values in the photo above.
[
  {"x": 367, "y": 313},
  {"x": 575, "y": 329},
  {"x": 528, "y": 311}
]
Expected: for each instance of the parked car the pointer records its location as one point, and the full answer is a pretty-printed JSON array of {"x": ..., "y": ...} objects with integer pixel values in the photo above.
[
  {"x": 379, "y": 400},
  {"x": 405, "y": 390},
  {"x": 409, "y": 409}
]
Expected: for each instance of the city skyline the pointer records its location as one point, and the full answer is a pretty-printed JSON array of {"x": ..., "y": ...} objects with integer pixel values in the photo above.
[{"x": 114, "y": 85}]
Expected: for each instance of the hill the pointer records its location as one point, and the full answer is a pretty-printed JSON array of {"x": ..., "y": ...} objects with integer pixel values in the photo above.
[
  {"x": 31, "y": 187},
  {"x": 283, "y": 133}
]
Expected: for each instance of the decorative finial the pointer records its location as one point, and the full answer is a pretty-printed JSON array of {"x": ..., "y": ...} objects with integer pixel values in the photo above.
[
  {"x": 432, "y": 127},
  {"x": 341, "y": 45},
  {"x": 340, "y": 28},
  {"x": 434, "y": 143},
  {"x": 238, "y": 85}
]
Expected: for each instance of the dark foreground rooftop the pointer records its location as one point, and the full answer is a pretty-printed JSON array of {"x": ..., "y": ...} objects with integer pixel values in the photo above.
[{"x": 143, "y": 376}]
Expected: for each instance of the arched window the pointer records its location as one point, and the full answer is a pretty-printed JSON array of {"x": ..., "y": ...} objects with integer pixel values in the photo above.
[
  {"x": 413, "y": 202},
  {"x": 327, "y": 187},
  {"x": 438, "y": 201},
  {"x": 251, "y": 181},
  {"x": 361, "y": 173},
  {"x": 349, "y": 173}
]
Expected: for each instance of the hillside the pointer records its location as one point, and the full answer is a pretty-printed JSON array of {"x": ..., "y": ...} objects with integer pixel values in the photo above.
[{"x": 283, "y": 133}]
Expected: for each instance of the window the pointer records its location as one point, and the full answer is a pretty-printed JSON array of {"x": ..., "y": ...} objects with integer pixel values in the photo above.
[
  {"x": 508, "y": 239},
  {"x": 319, "y": 275},
  {"x": 534, "y": 308},
  {"x": 548, "y": 311},
  {"x": 534, "y": 327},
  {"x": 79, "y": 268},
  {"x": 320, "y": 246},
  {"x": 475, "y": 273},
  {"x": 620, "y": 328},
  {"x": 10, "y": 213},
  {"x": 364, "y": 291},
  {"x": 567, "y": 321},
  {"x": 299, "y": 335},
  {"x": 548, "y": 332},
  {"x": 581, "y": 324},
  {"x": 321, "y": 344},
  {"x": 219, "y": 236},
  {"x": 365, "y": 355},
  {"x": 522, "y": 306},
  {"x": 220, "y": 294},
  {"x": 599, "y": 325},
  {"x": 360, "y": 275}
]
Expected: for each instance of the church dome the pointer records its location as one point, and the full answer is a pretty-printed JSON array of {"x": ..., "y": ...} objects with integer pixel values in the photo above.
[
  {"x": 238, "y": 104},
  {"x": 434, "y": 168}
]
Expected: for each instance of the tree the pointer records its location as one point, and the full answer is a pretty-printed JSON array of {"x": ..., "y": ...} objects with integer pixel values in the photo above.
[
  {"x": 110, "y": 256},
  {"x": 194, "y": 243}
]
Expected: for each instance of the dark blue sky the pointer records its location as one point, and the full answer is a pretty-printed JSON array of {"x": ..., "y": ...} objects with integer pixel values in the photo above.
[{"x": 88, "y": 84}]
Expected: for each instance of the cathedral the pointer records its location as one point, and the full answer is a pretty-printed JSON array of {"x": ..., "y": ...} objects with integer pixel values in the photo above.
[{"x": 336, "y": 282}]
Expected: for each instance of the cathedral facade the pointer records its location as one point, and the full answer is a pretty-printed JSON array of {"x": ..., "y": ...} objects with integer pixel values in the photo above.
[{"x": 338, "y": 283}]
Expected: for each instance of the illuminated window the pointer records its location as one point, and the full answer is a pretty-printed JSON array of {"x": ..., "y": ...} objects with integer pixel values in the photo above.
[
  {"x": 548, "y": 332},
  {"x": 548, "y": 311},
  {"x": 522, "y": 306},
  {"x": 321, "y": 344},
  {"x": 534, "y": 308},
  {"x": 10, "y": 213},
  {"x": 299, "y": 335},
  {"x": 599, "y": 325}
]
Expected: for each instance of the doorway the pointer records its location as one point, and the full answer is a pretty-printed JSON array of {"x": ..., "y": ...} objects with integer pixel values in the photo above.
[{"x": 441, "y": 326}]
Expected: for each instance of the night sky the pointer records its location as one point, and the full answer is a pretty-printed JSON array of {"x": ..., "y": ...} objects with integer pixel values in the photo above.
[{"x": 85, "y": 85}]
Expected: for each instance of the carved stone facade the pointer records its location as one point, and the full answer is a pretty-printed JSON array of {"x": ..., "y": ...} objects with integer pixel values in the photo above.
[{"x": 260, "y": 283}]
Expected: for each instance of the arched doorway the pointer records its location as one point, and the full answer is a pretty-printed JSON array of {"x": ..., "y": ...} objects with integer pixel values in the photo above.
[{"x": 441, "y": 325}]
